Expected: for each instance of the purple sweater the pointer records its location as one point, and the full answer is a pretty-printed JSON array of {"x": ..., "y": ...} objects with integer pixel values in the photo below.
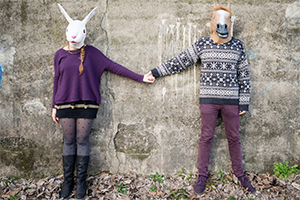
[{"x": 69, "y": 86}]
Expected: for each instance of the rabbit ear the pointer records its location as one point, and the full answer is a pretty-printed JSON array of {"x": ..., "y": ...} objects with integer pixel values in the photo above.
[
  {"x": 89, "y": 16},
  {"x": 65, "y": 13}
]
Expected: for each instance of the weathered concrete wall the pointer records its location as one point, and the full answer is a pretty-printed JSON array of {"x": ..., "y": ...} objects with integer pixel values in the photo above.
[{"x": 143, "y": 127}]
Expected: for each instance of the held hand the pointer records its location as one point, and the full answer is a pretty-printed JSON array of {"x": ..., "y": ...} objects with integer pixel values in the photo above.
[
  {"x": 55, "y": 119},
  {"x": 242, "y": 112},
  {"x": 149, "y": 78}
]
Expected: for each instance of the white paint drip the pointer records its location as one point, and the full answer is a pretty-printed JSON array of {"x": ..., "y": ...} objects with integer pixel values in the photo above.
[
  {"x": 195, "y": 33},
  {"x": 164, "y": 90},
  {"x": 183, "y": 43},
  {"x": 176, "y": 88},
  {"x": 190, "y": 33},
  {"x": 232, "y": 22},
  {"x": 177, "y": 30},
  {"x": 195, "y": 81},
  {"x": 173, "y": 39}
]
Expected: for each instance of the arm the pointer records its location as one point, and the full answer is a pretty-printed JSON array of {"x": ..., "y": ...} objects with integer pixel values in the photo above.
[
  {"x": 54, "y": 118},
  {"x": 56, "y": 77},
  {"x": 244, "y": 82},
  {"x": 178, "y": 63},
  {"x": 242, "y": 112},
  {"x": 123, "y": 71},
  {"x": 114, "y": 67}
]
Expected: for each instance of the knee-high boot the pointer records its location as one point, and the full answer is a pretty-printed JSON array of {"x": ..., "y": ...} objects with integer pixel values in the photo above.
[
  {"x": 82, "y": 163},
  {"x": 68, "y": 166}
]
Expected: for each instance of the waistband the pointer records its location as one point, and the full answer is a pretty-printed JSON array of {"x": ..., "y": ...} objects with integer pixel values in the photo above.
[{"x": 85, "y": 106}]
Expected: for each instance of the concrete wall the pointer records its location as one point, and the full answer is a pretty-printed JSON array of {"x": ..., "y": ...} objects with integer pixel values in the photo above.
[{"x": 143, "y": 127}]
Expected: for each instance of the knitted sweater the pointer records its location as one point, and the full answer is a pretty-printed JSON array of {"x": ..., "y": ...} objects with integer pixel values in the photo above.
[
  {"x": 224, "y": 71},
  {"x": 69, "y": 86}
]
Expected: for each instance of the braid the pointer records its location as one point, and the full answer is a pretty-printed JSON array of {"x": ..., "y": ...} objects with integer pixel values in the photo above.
[{"x": 82, "y": 55}]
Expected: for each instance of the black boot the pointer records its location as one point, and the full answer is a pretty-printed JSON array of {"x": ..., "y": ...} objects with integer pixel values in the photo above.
[
  {"x": 68, "y": 166},
  {"x": 82, "y": 163}
]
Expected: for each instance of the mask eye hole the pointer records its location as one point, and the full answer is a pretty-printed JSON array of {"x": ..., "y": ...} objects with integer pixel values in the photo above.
[{"x": 83, "y": 30}]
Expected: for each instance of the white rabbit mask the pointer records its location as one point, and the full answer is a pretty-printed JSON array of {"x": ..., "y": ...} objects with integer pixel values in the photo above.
[{"x": 76, "y": 31}]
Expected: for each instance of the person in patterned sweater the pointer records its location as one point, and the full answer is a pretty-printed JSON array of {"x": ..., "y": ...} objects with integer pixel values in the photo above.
[{"x": 224, "y": 88}]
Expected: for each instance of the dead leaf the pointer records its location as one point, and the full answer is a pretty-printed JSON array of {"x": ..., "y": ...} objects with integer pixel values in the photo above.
[{"x": 229, "y": 177}]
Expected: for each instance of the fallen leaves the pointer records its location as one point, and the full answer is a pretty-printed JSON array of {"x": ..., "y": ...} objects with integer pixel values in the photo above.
[{"x": 104, "y": 186}]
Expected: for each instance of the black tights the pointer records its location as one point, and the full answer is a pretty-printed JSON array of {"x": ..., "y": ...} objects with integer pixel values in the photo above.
[{"x": 76, "y": 130}]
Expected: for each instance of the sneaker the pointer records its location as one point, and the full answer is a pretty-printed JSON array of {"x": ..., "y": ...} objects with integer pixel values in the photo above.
[
  {"x": 246, "y": 184},
  {"x": 200, "y": 185}
]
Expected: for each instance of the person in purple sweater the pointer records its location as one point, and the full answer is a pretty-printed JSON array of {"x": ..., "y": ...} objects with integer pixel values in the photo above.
[{"x": 76, "y": 97}]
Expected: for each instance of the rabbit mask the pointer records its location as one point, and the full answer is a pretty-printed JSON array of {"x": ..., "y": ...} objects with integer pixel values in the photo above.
[{"x": 76, "y": 31}]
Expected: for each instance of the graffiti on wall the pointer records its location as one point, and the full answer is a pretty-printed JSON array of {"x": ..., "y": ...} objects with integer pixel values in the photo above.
[
  {"x": 1, "y": 67},
  {"x": 1, "y": 72},
  {"x": 175, "y": 37}
]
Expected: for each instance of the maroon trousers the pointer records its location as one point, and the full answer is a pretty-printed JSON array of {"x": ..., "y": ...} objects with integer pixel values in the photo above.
[{"x": 231, "y": 119}]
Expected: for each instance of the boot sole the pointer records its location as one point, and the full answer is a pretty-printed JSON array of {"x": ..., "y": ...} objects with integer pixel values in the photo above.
[{"x": 81, "y": 198}]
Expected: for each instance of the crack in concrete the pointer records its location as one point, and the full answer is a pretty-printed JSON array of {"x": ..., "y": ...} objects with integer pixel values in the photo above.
[
  {"x": 113, "y": 139},
  {"x": 101, "y": 25},
  {"x": 108, "y": 90}
]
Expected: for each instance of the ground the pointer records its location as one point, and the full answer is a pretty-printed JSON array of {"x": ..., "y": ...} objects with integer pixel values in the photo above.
[{"x": 220, "y": 185}]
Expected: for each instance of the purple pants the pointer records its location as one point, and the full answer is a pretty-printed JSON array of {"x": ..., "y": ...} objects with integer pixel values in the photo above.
[{"x": 231, "y": 119}]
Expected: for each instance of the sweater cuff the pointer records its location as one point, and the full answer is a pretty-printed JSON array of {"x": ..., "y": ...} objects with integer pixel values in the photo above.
[
  {"x": 243, "y": 107},
  {"x": 155, "y": 73},
  {"x": 141, "y": 78}
]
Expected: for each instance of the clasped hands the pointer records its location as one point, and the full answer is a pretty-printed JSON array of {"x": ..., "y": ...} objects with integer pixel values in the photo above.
[{"x": 149, "y": 78}]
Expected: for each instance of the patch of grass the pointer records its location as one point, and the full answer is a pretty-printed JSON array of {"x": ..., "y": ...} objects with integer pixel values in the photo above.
[
  {"x": 157, "y": 177},
  {"x": 153, "y": 188},
  {"x": 122, "y": 188},
  {"x": 231, "y": 198},
  {"x": 6, "y": 181},
  {"x": 221, "y": 175},
  {"x": 181, "y": 193},
  {"x": 15, "y": 197},
  {"x": 181, "y": 173},
  {"x": 284, "y": 171}
]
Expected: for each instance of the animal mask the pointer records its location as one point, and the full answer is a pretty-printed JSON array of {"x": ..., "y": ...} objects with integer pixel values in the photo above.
[
  {"x": 76, "y": 31},
  {"x": 221, "y": 24}
]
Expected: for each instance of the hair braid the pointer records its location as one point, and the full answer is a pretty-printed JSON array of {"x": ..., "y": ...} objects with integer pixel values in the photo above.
[{"x": 82, "y": 55}]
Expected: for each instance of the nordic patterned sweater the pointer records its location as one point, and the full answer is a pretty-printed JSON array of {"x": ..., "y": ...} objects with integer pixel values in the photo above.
[{"x": 224, "y": 71}]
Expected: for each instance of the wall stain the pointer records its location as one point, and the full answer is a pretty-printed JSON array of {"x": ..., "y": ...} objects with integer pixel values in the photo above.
[
  {"x": 134, "y": 142},
  {"x": 18, "y": 152}
]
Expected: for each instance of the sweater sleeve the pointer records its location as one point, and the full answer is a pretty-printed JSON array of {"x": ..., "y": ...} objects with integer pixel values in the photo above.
[
  {"x": 244, "y": 82},
  {"x": 56, "y": 77},
  {"x": 179, "y": 63},
  {"x": 123, "y": 71},
  {"x": 117, "y": 68}
]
